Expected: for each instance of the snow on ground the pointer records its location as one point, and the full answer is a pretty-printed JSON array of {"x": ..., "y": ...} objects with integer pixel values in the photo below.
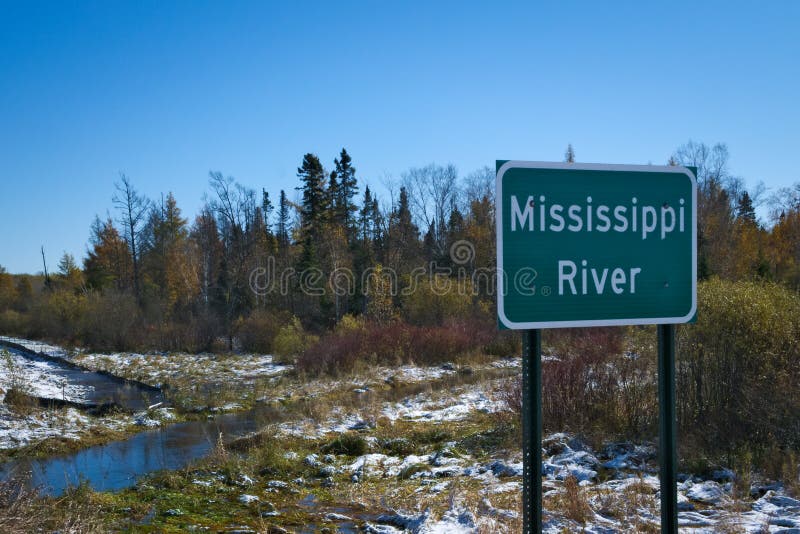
[
  {"x": 705, "y": 506},
  {"x": 157, "y": 369},
  {"x": 629, "y": 497},
  {"x": 155, "y": 417},
  {"x": 420, "y": 408},
  {"x": 456, "y": 520},
  {"x": 412, "y": 373},
  {"x": 455, "y": 406},
  {"x": 20, "y": 430},
  {"x": 37, "y": 378},
  {"x": 41, "y": 378},
  {"x": 507, "y": 363},
  {"x": 38, "y": 346}
]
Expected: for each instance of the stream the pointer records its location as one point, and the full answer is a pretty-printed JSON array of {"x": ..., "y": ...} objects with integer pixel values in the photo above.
[
  {"x": 97, "y": 388},
  {"x": 118, "y": 464}
]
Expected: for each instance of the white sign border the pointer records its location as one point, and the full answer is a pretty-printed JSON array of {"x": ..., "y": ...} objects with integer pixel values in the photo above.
[{"x": 515, "y": 164}]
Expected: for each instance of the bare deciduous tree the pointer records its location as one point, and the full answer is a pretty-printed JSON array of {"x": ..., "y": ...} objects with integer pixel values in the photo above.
[
  {"x": 133, "y": 210},
  {"x": 433, "y": 191},
  {"x": 479, "y": 184}
]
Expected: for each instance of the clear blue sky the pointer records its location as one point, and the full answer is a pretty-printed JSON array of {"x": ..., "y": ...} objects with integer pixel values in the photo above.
[{"x": 167, "y": 91}]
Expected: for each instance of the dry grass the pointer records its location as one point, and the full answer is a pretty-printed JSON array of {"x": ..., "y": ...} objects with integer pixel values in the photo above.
[
  {"x": 22, "y": 511},
  {"x": 21, "y": 403},
  {"x": 628, "y": 506},
  {"x": 18, "y": 509},
  {"x": 574, "y": 502}
]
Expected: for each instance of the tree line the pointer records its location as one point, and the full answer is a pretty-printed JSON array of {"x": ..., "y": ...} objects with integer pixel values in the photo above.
[{"x": 153, "y": 277}]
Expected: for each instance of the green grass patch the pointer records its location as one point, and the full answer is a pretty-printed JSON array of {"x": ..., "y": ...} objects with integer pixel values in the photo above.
[{"x": 349, "y": 444}]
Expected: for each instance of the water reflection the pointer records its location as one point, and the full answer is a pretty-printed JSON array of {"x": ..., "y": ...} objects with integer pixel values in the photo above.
[{"x": 117, "y": 465}]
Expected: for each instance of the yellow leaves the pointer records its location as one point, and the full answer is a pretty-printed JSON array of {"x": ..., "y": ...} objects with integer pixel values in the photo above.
[
  {"x": 438, "y": 297},
  {"x": 380, "y": 306}
]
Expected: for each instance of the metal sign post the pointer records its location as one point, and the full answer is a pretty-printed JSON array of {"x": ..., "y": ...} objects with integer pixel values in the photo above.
[
  {"x": 595, "y": 245},
  {"x": 532, "y": 431},
  {"x": 667, "y": 420}
]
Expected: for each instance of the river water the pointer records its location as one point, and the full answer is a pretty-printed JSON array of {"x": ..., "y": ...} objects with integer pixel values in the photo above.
[{"x": 116, "y": 465}]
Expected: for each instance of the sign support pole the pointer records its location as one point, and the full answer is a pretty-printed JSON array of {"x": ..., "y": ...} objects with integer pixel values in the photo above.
[
  {"x": 532, "y": 431},
  {"x": 668, "y": 456}
]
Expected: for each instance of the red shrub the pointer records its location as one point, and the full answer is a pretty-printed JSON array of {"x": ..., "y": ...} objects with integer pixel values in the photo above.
[{"x": 391, "y": 344}]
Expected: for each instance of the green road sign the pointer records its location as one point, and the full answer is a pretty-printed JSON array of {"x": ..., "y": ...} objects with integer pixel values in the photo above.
[{"x": 595, "y": 245}]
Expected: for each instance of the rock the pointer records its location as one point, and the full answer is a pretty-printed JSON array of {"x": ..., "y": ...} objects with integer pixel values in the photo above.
[
  {"x": 361, "y": 425},
  {"x": 312, "y": 460},
  {"x": 369, "y": 528},
  {"x": 555, "y": 443},
  {"x": 502, "y": 469},
  {"x": 582, "y": 458},
  {"x": 329, "y": 458},
  {"x": 269, "y": 510},
  {"x": 332, "y": 516},
  {"x": 684, "y": 504},
  {"x": 723, "y": 475},
  {"x": 708, "y": 492},
  {"x": 694, "y": 520},
  {"x": 326, "y": 471},
  {"x": 248, "y": 499},
  {"x": 245, "y": 480},
  {"x": 446, "y": 471},
  {"x": 577, "y": 444},
  {"x": 774, "y": 504},
  {"x": 564, "y": 471},
  {"x": 409, "y": 522}
]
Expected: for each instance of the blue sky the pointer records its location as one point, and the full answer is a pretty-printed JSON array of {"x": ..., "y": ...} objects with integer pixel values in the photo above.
[{"x": 167, "y": 91}]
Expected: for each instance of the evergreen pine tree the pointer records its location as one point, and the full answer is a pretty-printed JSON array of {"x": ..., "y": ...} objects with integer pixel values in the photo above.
[
  {"x": 346, "y": 189},
  {"x": 402, "y": 242},
  {"x": 569, "y": 155},
  {"x": 315, "y": 208},
  {"x": 429, "y": 246},
  {"x": 266, "y": 213},
  {"x": 745, "y": 210},
  {"x": 365, "y": 217},
  {"x": 283, "y": 222},
  {"x": 165, "y": 261},
  {"x": 335, "y": 197},
  {"x": 107, "y": 262},
  {"x": 266, "y": 210},
  {"x": 377, "y": 224}
]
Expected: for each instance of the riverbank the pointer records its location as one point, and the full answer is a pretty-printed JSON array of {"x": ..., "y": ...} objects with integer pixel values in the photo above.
[
  {"x": 50, "y": 405},
  {"x": 399, "y": 449},
  {"x": 425, "y": 476}
]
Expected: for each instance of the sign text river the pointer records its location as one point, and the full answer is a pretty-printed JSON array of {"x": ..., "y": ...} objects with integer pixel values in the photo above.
[{"x": 591, "y": 245}]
